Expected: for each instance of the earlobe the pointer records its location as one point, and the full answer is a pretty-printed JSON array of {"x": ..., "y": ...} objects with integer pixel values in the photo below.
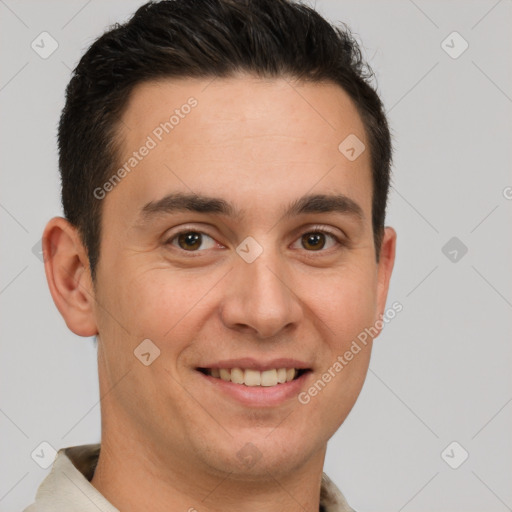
[{"x": 68, "y": 275}]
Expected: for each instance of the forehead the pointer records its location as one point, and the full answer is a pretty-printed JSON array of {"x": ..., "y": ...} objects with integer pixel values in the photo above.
[
  {"x": 320, "y": 112},
  {"x": 241, "y": 136}
]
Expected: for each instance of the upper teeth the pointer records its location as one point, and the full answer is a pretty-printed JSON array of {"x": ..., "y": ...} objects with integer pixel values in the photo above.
[{"x": 251, "y": 377}]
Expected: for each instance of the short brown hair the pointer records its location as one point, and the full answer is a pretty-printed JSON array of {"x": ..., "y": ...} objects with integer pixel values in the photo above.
[{"x": 204, "y": 38}]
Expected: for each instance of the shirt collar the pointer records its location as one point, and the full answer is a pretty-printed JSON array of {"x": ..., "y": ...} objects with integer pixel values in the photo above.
[{"x": 68, "y": 485}]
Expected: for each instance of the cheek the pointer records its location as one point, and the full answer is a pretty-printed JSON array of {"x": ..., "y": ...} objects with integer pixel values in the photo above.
[
  {"x": 345, "y": 315},
  {"x": 346, "y": 309},
  {"x": 151, "y": 304},
  {"x": 160, "y": 302},
  {"x": 345, "y": 301}
]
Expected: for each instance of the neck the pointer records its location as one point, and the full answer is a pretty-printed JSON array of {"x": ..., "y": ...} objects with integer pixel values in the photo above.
[{"x": 127, "y": 476}]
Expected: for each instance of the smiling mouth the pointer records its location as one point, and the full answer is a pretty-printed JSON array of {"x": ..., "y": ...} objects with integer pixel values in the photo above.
[{"x": 251, "y": 378}]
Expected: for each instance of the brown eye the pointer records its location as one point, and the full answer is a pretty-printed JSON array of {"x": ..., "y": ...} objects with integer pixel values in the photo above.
[
  {"x": 317, "y": 240},
  {"x": 314, "y": 241},
  {"x": 191, "y": 241}
]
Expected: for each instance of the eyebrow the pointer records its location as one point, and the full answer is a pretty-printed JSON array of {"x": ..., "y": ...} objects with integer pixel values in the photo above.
[{"x": 311, "y": 203}]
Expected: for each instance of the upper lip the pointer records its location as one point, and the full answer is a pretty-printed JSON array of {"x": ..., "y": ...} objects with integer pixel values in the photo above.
[{"x": 258, "y": 364}]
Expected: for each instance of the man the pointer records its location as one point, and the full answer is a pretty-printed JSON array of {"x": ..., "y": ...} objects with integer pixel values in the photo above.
[{"x": 225, "y": 168}]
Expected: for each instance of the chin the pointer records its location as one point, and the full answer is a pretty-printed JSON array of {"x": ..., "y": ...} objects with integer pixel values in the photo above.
[{"x": 253, "y": 458}]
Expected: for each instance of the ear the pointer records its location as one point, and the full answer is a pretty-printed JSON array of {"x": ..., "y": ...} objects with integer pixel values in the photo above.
[
  {"x": 67, "y": 271},
  {"x": 385, "y": 268}
]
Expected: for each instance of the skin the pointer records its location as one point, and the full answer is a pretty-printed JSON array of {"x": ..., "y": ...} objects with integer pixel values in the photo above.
[{"x": 259, "y": 144}]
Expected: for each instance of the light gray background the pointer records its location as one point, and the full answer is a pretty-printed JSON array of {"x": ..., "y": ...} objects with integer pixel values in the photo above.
[{"x": 440, "y": 372}]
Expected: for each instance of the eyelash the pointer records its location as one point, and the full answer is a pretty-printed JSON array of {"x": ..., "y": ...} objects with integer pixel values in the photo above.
[{"x": 315, "y": 229}]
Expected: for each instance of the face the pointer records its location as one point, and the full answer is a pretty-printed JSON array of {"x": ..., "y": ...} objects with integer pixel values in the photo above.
[{"x": 246, "y": 282}]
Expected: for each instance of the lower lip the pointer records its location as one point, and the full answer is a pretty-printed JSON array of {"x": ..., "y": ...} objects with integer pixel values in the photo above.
[{"x": 259, "y": 396}]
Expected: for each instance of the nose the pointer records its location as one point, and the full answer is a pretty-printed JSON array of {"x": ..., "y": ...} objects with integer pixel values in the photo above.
[{"x": 260, "y": 299}]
